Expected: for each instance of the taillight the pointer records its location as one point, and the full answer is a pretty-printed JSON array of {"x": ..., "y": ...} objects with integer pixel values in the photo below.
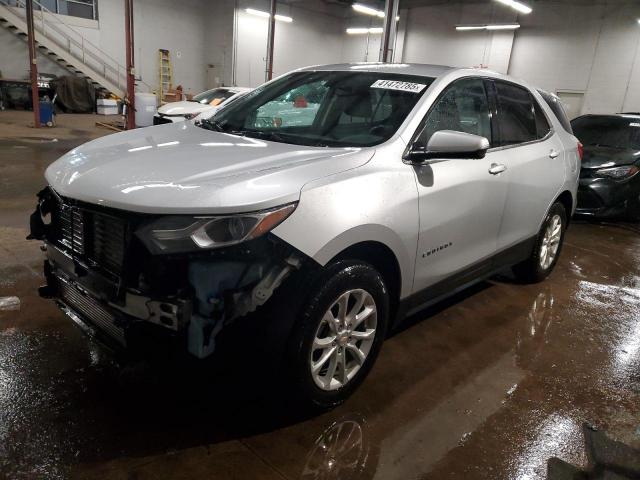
[{"x": 580, "y": 151}]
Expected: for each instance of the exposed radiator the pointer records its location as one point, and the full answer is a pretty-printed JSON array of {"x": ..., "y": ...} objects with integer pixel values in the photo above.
[{"x": 90, "y": 310}]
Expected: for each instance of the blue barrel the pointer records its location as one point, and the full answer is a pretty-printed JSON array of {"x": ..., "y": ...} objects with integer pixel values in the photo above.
[{"x": 46, "y": 112}]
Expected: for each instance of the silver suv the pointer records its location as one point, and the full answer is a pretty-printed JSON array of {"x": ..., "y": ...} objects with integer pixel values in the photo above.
[{"x": 317, "y": 211}]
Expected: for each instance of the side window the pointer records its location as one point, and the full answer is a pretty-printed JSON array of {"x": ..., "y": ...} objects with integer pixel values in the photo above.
[
  {"x": 463, "y": 107},
  {"x": 516, "y": 116},
  {"x": 542, "y": 125}
]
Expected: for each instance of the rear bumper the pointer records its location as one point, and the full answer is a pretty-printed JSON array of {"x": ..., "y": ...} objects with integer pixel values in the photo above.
[{"x": 604, "y": 198}]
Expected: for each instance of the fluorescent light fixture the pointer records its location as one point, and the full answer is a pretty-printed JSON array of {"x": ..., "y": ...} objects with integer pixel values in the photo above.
[
  {"x": 519, "y": 6},
  {"x": 361, "y": 31},
  {"x": 506, "y": 26},
  {"x": 471, "y": 27},
  {"x": 358, "y": 7},
  {"x": 639, "y": 20},
  {"x": 260, "y": 13},
  {"x": 503, "y": 27}
]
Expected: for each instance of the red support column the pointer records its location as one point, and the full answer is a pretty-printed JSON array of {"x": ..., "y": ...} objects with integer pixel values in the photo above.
[
  {"x": 270, "y": 41},
  {"x": 33, "y": 67},
  {"x": 131, "y": 85}
]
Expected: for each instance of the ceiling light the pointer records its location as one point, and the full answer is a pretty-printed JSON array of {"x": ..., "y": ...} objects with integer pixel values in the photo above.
[
  {"x": 507, "y": 26},
  {"x": 360, "y": 31},
  {"x": 471, "y": 27},
  {"x": 260, "y": 13},
  {"x": 358, "y": 7},
  {"x": 503, "y": 27},
  {"x": 519, "y": 6}
]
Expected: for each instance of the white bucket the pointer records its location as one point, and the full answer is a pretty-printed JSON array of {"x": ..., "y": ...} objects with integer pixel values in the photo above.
[{"x": 146, "y": 106}]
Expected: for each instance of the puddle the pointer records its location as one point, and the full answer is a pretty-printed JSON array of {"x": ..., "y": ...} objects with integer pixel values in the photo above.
[{"x": 9, "y": 303}]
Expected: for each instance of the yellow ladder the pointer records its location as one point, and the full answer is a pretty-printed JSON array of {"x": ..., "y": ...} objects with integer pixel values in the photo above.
[{"x": 165, "y": 73}]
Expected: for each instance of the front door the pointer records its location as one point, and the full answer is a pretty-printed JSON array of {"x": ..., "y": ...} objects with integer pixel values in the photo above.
[{"x": 461, "y": 201}]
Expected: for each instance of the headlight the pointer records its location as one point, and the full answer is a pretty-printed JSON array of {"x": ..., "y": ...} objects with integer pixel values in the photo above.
[
  {"x": 617, "y": 173},
  {"x": 181, "y": 233}
]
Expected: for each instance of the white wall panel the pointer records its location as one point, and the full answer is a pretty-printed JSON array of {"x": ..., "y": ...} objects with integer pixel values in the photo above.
[{"x": 312, "y": 38}]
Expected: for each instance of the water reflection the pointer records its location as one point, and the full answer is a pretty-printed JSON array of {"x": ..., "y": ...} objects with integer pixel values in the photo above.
[
  {"x": 532, "y": 335},
  {"x": 340, "y": 452}
]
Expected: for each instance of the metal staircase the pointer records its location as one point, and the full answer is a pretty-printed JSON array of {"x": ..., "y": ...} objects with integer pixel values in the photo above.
[{"x": 66, "y": 45}]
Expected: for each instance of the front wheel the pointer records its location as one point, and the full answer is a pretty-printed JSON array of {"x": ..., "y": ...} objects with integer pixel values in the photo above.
[
  {"x": 547, "y": 247},
  {"x": 342, "y": 326}
]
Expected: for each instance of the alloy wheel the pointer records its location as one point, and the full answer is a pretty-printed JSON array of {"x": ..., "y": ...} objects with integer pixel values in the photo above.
[
  {"x": 551, "y": 242},
  {"x": 343, "y": 339}
]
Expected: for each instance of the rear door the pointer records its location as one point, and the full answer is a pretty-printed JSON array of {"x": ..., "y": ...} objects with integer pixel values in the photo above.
[
  {"x": 460, "y": 200},
  {"x": 534, "y": 159}
]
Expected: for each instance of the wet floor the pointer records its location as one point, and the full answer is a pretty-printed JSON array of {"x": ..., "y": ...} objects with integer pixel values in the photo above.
[{"x": 490, "y": 384}]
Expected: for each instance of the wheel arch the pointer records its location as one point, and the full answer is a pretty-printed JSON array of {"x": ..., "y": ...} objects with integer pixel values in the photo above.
[
  {"x": 382, "y": 258},
  {"x": 566, "y": 199}
]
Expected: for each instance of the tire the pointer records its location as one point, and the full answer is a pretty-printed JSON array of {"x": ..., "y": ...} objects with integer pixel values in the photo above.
[
  {"x": 538, "y": 266},
  {"x": 360, "y": 287}
]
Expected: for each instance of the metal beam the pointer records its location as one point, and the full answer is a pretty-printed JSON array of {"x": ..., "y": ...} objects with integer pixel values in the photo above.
[
  {"x": 389, "y": 33},
  {"x": 270, "y": 41},
  {"x": 131, "y": 81},
  {"x": 33, "y": 67}
]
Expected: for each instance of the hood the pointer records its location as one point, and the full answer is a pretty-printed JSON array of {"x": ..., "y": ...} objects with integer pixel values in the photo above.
[
  {"x": 603, "y": 157},
  {"x": 182, "y": 168},
  {"x": 183, "y": 108}
]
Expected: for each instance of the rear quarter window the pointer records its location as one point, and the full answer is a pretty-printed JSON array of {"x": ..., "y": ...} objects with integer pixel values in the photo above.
[{"x": 558, "y": 110}]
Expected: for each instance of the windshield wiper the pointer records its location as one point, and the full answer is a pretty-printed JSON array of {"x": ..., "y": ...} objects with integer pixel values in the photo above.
[
  {"x": 210, "y": 124},
  {"x": 276, "y": 137}
]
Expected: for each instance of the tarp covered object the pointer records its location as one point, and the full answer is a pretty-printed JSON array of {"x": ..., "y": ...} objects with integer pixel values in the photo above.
[{"x": 75, "y": 95}]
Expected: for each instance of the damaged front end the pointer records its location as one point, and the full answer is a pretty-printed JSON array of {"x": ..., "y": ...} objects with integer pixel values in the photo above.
[{"x": 129, "y": 275}]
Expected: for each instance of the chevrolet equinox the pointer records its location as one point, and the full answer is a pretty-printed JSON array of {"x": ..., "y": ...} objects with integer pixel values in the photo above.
[{"x": 329, "y": 203}]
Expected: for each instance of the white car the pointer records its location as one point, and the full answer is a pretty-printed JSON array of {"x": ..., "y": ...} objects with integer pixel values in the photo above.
[{"x": 206, "y": 102}]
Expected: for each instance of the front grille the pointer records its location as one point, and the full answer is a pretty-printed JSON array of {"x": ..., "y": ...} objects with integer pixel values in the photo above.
[
  {"x": 107, "y": 240},
  {"x": 71, "y": 229},
  {"x": 95, "y": 237},
  {"x": 91, "y": 310}
]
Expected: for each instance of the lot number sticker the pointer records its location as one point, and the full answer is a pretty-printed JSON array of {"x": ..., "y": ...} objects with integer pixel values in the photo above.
[{"x": 397, "y": 85}]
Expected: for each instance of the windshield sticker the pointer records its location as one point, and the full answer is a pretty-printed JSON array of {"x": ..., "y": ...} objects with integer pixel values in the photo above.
[{"x": 397, "y": 85}]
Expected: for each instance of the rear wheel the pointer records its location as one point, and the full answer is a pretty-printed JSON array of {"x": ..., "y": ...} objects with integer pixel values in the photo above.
[
  {"x": 342, "y": 326},
  {"x": 547, "y": 248}
]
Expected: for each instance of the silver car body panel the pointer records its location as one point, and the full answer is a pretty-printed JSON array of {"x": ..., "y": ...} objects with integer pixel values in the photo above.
[{"x": 437, "y": 219}]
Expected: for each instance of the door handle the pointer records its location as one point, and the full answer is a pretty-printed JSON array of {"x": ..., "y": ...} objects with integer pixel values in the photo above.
[
  {"x": 497, "y": 168},
  {"x": 553, "y": 153}
]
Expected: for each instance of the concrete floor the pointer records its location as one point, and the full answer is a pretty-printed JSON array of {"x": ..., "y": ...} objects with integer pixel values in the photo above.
[{"x": 490, "y": 384}]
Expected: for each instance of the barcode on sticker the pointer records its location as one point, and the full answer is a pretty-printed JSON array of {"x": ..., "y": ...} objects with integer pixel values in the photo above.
[{"x": 397, "y": 85}]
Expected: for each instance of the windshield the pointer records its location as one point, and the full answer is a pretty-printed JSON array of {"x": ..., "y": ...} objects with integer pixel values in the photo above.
[
  {"x": 213, "y": 97},
  {"x": 608, "y": 131},
  {"x": 347, "y": 109}
]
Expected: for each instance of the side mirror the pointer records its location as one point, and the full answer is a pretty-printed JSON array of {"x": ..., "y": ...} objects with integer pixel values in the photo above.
[{"x": 445, "y": 144}]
